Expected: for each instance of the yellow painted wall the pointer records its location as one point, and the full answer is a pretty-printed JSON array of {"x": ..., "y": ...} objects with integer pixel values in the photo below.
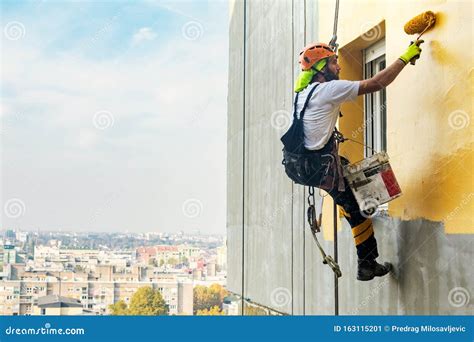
[{"x": 429, "y": 106}]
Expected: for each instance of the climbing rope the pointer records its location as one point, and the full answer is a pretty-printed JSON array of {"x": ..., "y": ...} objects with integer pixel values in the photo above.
[
  {"x": 334, "y": 32},
  {"x": 315, "y": 225}
]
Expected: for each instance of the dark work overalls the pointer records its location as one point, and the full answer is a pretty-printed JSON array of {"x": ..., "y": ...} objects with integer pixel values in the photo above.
[{"x": 362, "y": 229}]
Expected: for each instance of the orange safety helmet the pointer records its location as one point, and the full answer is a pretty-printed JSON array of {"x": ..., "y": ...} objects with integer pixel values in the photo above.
[{"x": 313, "y": 53}]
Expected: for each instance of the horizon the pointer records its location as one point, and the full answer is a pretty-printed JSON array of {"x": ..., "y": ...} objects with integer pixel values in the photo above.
[{"x": 190, "y": 233}]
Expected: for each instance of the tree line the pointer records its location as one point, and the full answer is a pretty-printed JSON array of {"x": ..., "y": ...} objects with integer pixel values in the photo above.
[{"x": 146, "y": 301}]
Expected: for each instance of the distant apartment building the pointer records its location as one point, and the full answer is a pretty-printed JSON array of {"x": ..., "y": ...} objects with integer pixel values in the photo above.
[
  {"x": 57, "y": 306},
  {"x": 166, "y": 252},
  {"x": 21, "y": 294},
  {"x": 9, "y": 254},
  {"x": 221, "y": 258},
  {"x": 85, "y": 258},
  {"x": 211, "y": 269},
  {"x": 1, "y": 258},
  {"x": 22, "y": 236},
  {"x": 231, "y": 306}
]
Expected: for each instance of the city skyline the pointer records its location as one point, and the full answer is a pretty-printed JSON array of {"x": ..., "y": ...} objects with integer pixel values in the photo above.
[{"x": 100, "y": 273}]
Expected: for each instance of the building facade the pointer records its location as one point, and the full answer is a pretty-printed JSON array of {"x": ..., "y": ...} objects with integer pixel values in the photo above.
[{"x": 422, "y": 120}]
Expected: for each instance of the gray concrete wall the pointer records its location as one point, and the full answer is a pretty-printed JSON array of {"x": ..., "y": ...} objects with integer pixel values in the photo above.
[{"x": 272, "y": 259}]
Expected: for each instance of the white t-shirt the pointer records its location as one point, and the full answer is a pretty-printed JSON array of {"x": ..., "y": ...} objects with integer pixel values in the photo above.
[{"x": 323, "y": 109}]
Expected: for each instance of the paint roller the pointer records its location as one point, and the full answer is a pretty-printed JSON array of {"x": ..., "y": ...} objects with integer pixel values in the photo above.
[{"x": 420, "y": 24}]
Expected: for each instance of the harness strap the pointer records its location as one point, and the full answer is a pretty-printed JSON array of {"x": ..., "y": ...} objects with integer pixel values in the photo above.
[
  {"x": 306, "y": 101},
  {"x": 295, "y": 103}
]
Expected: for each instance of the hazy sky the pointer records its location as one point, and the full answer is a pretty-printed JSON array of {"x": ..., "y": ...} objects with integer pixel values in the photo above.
[{"x": 114, "y": 115}]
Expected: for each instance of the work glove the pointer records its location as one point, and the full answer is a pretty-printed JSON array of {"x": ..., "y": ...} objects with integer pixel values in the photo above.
[{"x": 412, "y": 53}]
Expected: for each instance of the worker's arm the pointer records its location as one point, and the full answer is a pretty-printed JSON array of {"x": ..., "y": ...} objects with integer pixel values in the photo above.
[
  {"x": 386, "y": 76},
  {"x": 381, "y": 79}
]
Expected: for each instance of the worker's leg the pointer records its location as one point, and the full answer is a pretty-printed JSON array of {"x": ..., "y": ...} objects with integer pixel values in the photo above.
[
  {"x": 363, "y": 233},
  {"x": 362, "y": 229}
]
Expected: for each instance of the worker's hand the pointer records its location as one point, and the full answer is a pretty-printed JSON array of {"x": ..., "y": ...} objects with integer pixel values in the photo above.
[{"x": 412, "y": 53}]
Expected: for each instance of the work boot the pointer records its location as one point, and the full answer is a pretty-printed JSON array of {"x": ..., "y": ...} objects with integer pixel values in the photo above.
[{"x": 368, "y": 269}]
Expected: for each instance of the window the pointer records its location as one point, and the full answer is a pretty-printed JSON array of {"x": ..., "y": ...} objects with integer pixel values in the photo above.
[{"x": 375, "y": 107}]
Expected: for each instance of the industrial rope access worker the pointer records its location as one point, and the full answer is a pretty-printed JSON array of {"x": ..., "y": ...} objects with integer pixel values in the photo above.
[{"x": 319, "y": 80}]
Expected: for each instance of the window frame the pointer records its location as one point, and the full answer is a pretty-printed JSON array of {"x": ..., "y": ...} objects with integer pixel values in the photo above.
[{"x": 375, "y": 108}]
